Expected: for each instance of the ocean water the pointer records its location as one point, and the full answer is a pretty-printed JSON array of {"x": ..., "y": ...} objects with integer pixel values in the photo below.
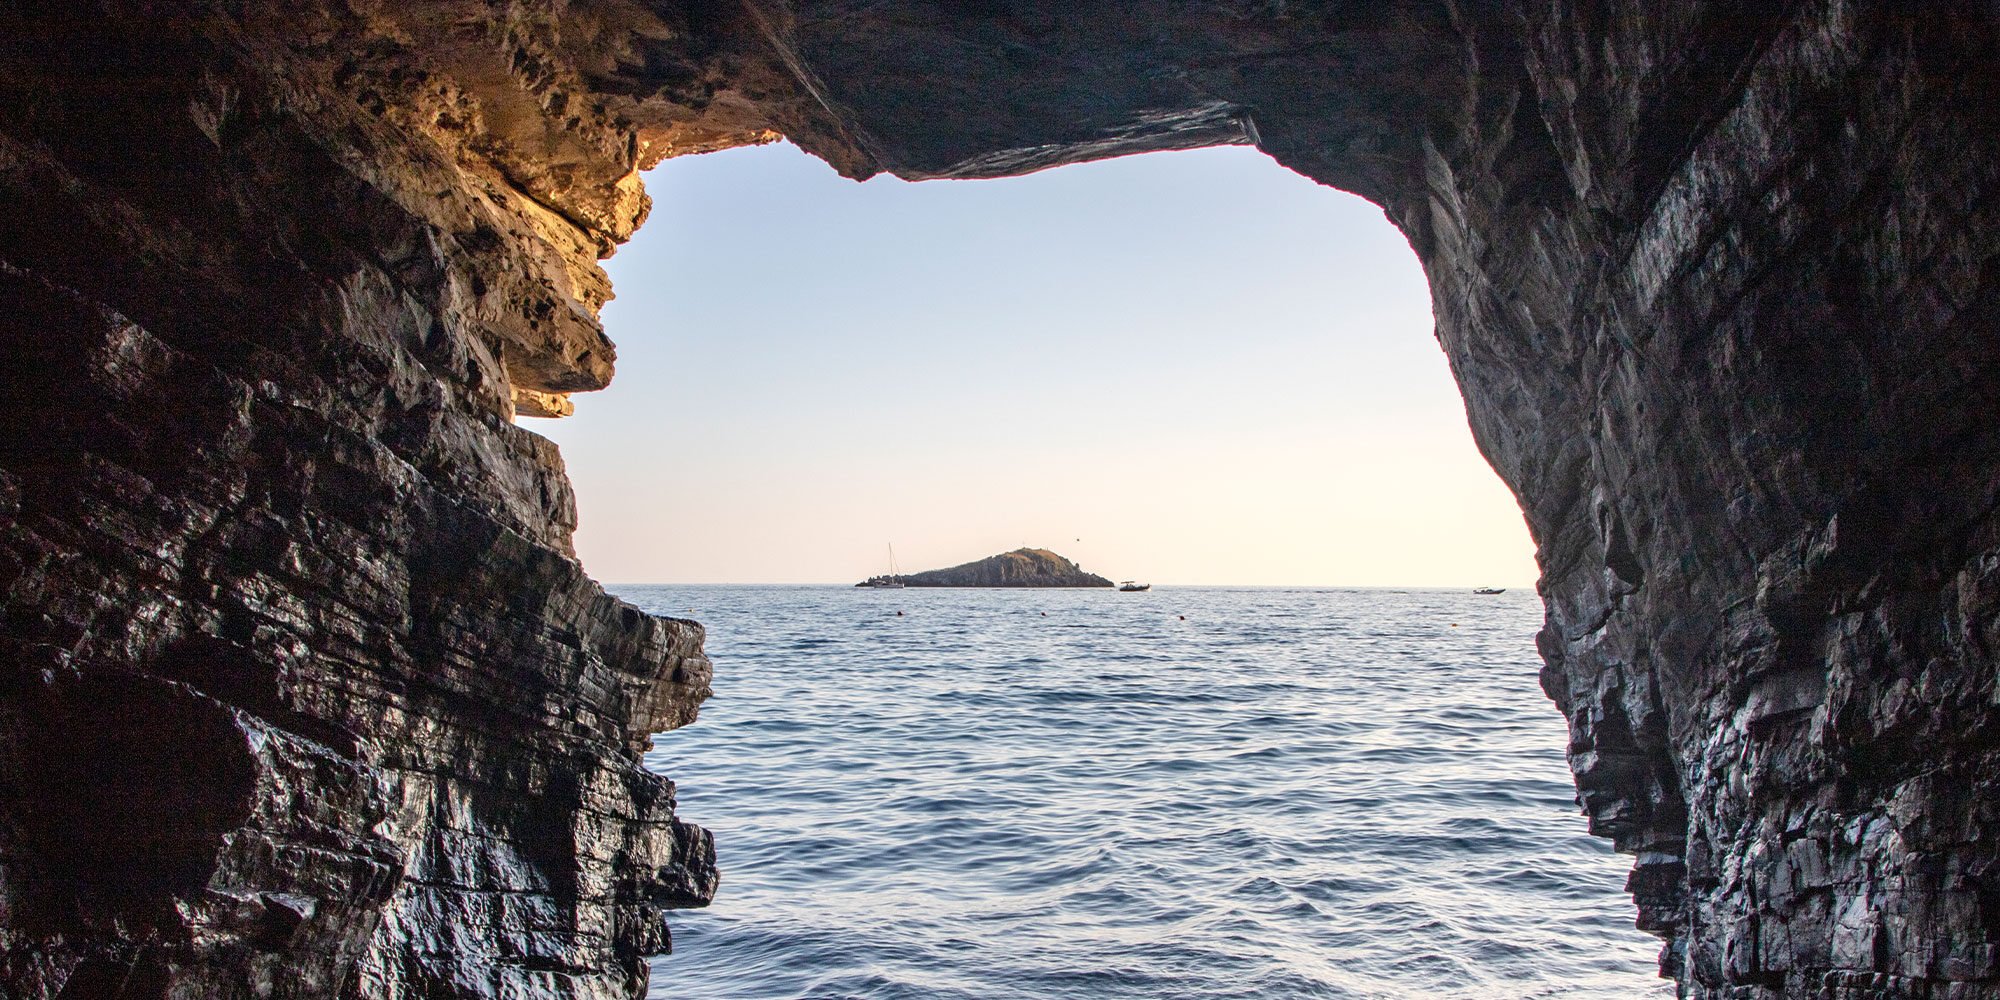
[{"x": 1186, "y": 793}]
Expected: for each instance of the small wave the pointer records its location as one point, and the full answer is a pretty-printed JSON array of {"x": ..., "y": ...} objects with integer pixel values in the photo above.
[{"x": 1293, "y": 794}]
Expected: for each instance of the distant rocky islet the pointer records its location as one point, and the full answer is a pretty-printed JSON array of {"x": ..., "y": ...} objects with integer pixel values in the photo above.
[{"x": 1023, "y": 567}]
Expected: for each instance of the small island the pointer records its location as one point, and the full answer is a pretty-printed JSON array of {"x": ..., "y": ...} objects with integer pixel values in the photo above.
[{"x": 1019, "y": 568}]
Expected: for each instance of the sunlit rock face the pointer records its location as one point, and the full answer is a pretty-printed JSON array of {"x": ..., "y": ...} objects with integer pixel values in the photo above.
[
  {"x": 307, "y": 696},
  {"x": 304, "y": 693}
]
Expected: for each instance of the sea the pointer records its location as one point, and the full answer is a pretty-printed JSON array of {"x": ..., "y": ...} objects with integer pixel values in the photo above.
[{"x": 1182, "y": 793}]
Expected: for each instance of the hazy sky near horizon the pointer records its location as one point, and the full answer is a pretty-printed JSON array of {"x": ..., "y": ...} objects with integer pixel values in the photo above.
[{"x": 1188, "y": 368}]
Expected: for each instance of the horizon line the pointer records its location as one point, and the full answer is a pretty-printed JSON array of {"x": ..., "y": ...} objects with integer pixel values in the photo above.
[{"x": 1240, "y": 586}]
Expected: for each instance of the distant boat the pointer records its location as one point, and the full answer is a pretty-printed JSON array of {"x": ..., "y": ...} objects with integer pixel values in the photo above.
[
  {"x": 1490, "y": 590},
  {"x": 891, "y": 580},
  {"x": 1131, "y": 587}
]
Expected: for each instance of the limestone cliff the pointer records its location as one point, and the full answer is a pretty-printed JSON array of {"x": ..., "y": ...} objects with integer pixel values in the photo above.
[
  {"x": 1022, "y": 567},
  {"x": 305, "y": 694}
]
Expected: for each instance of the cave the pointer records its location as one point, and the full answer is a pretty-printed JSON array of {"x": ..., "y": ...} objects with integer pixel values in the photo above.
[{"x": 278, "y": 279}]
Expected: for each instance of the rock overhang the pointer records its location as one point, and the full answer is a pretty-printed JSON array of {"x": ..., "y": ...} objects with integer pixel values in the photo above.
[{"x": 1718, "y": 286}]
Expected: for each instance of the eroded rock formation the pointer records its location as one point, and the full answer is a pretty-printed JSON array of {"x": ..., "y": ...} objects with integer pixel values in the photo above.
[{"x": 307, "y": 696}]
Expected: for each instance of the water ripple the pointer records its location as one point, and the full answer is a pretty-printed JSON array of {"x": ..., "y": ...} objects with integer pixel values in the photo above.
[{"x": 1043, "y": 794}]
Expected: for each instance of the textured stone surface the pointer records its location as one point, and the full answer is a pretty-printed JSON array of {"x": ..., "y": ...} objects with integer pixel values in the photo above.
[
  {"x": 1720, "y": 290},
  {"x": 306, "y": 695}
]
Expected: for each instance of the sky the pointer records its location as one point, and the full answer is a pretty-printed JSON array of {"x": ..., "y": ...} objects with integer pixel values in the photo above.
[{"x": 1185, "y": 368}]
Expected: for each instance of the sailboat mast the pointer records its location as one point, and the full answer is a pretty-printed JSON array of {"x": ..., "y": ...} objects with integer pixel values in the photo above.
[{"x": 892, "y": 560}]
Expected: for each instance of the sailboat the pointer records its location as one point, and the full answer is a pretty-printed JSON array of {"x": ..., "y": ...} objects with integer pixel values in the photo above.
[{"x": 893, "y": 580}]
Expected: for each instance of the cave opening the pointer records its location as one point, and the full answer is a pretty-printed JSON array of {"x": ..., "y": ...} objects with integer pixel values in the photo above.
[
  {"x": 1193, "y": 367},
  {"x": 1152, "y": 364},
  {"x": 1718, "y": 285}
]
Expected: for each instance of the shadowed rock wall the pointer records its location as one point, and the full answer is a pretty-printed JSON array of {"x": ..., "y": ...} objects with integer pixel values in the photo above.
[
  {"x": 1719, "y": 285},
  {"x": 289, "y": 608}
]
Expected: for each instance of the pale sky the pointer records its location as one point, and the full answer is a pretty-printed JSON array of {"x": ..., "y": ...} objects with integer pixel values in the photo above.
[{"x": 1186, "y": 368}]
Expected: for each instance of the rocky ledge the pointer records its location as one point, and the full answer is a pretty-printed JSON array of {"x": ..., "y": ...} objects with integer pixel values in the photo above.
[
  {"x": 1020, "y": 568},
  {"x": 305, "y": 693}
]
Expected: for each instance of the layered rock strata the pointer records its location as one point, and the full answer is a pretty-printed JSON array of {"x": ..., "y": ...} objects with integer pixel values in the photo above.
[
  {"x": 1719, "y": 285},
  {"x": 307, "y": 696}
]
